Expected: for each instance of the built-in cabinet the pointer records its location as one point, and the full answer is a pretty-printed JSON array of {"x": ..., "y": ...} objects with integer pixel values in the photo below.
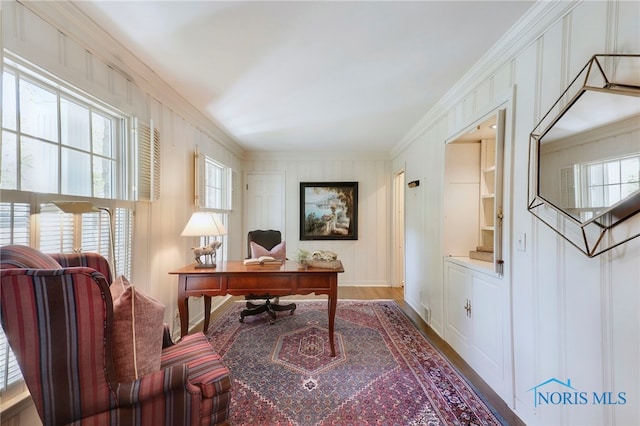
[
  {"x": 473, "y": 193},
  {"x": 474, "y": 309},
  {"x": 476, "y": 297}
]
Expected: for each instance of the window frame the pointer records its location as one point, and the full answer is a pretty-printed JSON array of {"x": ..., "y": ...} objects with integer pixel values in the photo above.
[
  {"x": 120, "y": 151},
  {"x": 225, "y": 186}
]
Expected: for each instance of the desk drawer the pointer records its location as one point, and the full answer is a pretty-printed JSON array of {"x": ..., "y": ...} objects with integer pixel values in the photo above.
[
  {"x": 203, "y": 283},
  {"x": 262, "y": 282},
  {"x": 314, "y": 281}
]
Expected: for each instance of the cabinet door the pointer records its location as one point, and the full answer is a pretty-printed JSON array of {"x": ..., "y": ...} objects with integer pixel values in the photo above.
[
  {"x": 486, "y": 309},
  {"x": 458, "y": 327},
  {"x": 498, "y": 189}
]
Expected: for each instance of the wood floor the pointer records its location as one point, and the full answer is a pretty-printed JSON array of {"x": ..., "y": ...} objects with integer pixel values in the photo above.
[{"x": 397, "y": 294}]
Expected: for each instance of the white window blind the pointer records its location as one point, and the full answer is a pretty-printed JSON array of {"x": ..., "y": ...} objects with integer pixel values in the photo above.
[
  {"x": 123, "y": 238},
  {"x": 15, "y": 223},
  {"x": 15, "y": 228},
  {"x": 56, "y": 230},
  {"x": 10, "y": 373},
  {"x": 567, "y": 187},
  {"x": 95, "y": 233}
]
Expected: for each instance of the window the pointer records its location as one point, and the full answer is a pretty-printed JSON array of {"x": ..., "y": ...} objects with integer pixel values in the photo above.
[
  {"x": 611, "y": 181},
  {"x": 57, "y": 143},
  {"x": 213, "y": 184},
  {"x": 10, "y": 371},
  {"x": 60, "y": 145},
  {"x": 15, "y": 224},
  {"x": 590, "y": 187},
  {"x": 217, "y": 185},
  {"x": 214, "y": 189}
]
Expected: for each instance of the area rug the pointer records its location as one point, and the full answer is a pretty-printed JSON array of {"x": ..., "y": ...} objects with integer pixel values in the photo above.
[{"x": 385, "y": 371}]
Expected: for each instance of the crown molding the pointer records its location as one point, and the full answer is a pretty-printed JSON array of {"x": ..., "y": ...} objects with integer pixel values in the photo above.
[
  {"x": 67, "y": 18},
  {"x": 529, "y": 27},
  {"x": 316, "y": 156}
]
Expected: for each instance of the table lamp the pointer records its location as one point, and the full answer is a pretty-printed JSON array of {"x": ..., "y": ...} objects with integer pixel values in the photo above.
[{"x": 203, "y": 224}]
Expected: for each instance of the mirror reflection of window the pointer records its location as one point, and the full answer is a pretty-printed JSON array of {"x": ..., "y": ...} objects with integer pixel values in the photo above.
[
  {"x": 611, "y": 181},
  {"x": 601, "y": 185},
  {"x": 588, "y": 172}
]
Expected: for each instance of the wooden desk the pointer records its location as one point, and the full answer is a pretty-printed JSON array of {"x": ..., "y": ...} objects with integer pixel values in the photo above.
[{"x": 234, "y": 278}]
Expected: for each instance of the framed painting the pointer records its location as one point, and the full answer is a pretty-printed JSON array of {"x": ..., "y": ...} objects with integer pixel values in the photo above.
[{"x": 328, "y": 210}]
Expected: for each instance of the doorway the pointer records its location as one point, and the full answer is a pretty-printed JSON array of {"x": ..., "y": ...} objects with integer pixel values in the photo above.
[
  {"x": 397, "y": 217},
  {"x": 265, "y": 202}
]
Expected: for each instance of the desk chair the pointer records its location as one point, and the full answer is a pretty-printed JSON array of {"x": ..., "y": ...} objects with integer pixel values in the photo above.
[{"x": 267, "y": 239}]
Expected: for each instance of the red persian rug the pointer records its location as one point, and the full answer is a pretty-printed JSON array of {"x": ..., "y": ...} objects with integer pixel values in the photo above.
[{"x": 385, "y": 371}]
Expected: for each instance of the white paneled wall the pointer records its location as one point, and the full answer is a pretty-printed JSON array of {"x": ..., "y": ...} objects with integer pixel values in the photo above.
[
  {"x": 367, "y": 260},
  {"x": 571, "y": 317}
]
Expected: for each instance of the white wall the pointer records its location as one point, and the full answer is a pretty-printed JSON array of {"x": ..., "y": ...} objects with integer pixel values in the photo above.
[
  {"x": 367, "y": 260},
  {"x": 573, "y": 317}
]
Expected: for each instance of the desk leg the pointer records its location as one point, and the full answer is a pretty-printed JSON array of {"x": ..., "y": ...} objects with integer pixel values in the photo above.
[
  {"x": 207, "y": 312},
  {"x": 333, "y": 300},
  {"x": 183, "y": 308}
]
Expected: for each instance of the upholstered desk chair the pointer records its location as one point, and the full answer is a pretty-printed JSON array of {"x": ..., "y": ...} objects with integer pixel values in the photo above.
[
  {"x": 59, "y": 321},
  {"x": 267, "y": 240}
]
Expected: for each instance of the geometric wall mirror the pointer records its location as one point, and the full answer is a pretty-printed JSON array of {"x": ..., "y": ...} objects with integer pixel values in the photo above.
[{"x": 584, "y": 157}]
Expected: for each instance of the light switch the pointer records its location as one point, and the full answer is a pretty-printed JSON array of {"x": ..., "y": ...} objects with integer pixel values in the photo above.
[{"x": 521, "y": 241}]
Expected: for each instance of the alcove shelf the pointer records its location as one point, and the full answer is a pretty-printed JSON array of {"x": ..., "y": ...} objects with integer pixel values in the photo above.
[{"x": 472, "y": 196}]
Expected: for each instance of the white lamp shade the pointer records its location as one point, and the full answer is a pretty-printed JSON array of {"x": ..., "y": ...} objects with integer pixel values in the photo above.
[{"x": 203, "y": 224}]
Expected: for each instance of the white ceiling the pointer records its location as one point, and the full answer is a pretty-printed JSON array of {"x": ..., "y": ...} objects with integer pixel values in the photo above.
[{"x": 310, "y": 76}]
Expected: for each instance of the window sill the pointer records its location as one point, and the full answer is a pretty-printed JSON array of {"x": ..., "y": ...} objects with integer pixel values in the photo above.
[{"x": 13, "y": 406}]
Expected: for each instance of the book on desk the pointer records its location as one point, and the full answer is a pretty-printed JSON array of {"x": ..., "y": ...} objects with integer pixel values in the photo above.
[{"x": 263, "y": 260}]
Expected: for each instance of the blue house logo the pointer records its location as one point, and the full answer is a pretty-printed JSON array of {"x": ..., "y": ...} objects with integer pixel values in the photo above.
[{"x": 557, "y": 392}]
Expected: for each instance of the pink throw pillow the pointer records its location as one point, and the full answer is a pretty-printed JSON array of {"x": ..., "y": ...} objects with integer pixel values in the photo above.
[
  {"x": 137, "y": 331},
  {"x": 278, "y": 252}
]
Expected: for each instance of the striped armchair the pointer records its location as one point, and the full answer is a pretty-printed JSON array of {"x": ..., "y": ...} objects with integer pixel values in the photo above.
[{"x": 59, "y": 323}]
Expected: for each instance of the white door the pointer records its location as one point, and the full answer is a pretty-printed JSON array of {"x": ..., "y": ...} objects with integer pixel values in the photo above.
[
  {"x": 265, "y": 202},
  {"x": 398, "y": 230}
]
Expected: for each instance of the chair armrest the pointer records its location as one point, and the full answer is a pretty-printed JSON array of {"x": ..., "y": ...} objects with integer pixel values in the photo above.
[
  {"x": 171, "y": 380},
  {"x": 205, "y": 369},
  {"x": 86, "y": 259}
]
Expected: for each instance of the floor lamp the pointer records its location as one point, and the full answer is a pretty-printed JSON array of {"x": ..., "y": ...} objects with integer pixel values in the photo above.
[{"x": 88, "y": 207}]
